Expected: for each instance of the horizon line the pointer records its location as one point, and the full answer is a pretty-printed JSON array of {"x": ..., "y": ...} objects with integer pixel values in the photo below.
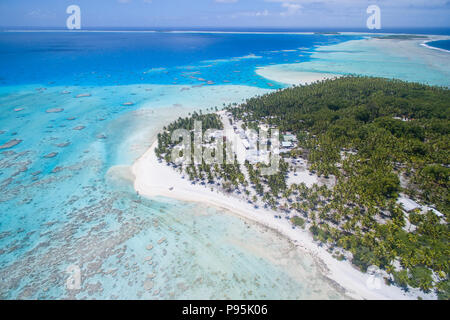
[{"x": 232, "y": 27}]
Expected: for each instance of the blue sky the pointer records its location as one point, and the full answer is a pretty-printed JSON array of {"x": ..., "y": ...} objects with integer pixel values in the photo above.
[{"x": 226, "y": 13}]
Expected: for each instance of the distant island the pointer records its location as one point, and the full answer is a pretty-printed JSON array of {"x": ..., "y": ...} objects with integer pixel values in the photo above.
[
  {"x": 364, "y": 167},
  {"x": 328, "y": 33},
  {"x": 401, "y": 37}
]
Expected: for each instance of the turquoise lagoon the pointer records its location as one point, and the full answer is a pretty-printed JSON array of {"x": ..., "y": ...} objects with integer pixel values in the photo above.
[{"x": 66, "y": 194}]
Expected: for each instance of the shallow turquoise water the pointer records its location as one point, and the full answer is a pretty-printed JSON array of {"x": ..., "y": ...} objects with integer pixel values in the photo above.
[
  {"x": 80, "y": 209},
  {"x": 67, "y": 199},
  {"x": 387, "y": 59}
]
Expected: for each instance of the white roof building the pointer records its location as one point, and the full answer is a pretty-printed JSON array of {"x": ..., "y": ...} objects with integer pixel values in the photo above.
[
  {"x": 439, "y": 214},
  {"x": 408, "y": 204},
  {"x": 287, "y": 144},
  {"x": 289, "y": 137}
]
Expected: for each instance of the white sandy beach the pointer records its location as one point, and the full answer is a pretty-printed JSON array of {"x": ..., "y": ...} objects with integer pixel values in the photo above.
[{"x": 154, "y": 179}]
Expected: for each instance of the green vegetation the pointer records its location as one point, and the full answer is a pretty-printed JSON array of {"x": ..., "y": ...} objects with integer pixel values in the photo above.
[
  {"x": 328, "y": 33},
  {"x": 369, "y": 132},
  {"x": 334, "y": 118},
  {"x": 230, "y": 175},
  {"x": 300, "y": 222},
  {"x": 370, "y": 139}
]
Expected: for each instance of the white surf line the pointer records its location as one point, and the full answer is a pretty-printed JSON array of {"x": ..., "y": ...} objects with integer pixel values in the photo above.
[{"x": 424, "y": 44}]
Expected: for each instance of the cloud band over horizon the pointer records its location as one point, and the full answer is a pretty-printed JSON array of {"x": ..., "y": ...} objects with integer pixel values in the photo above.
[{"x": 226, "y": 13}]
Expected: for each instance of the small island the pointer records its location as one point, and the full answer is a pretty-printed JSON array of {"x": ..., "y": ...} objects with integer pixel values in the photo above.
[
  {"x": 364, "y": 166},
  {"x": 401, "y": 37}
]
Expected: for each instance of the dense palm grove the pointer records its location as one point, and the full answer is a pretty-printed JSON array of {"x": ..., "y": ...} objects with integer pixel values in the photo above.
[
  {"x": 377, "y": 138},
  {"x": 208, "y": 121},
  {"x": 229, "y": 173}
]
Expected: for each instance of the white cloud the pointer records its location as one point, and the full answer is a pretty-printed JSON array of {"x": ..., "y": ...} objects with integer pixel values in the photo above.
[
  {"x": 294, "y": 7},
  {"x": 291, "y": 8},
  {"x": 387, "y": 3},
  {"x": 129, "y": 1},
  {"x": 264, "y": 13},
  {"x": 37, "y": 13}
]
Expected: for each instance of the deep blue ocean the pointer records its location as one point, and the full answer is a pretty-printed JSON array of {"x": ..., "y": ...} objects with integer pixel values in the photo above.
[
  {"x": 93, "y": 58},
  {"x": 441, "y": 44}
]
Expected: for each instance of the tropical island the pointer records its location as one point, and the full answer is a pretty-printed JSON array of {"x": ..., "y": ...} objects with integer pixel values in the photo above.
[{"x": 364, "y": 167}]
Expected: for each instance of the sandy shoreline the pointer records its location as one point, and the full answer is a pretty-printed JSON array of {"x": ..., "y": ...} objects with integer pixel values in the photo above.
[{"x": 155, "y": 179}]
